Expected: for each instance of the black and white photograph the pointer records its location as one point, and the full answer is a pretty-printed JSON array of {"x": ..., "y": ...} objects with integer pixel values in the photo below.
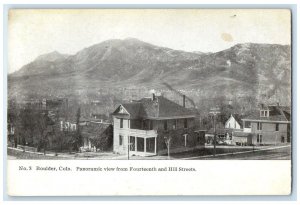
[
  {"x": 149, "y": 84},
  {"x": 125, "y": 102}
]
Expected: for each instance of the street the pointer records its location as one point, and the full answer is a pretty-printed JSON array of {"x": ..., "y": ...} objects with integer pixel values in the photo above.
[
  {"x": 223, "y": 153},
  {"x": 276, "y": 153}
]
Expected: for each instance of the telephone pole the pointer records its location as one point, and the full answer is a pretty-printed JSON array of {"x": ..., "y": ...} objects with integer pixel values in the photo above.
[{"x": 214, "y": 112}]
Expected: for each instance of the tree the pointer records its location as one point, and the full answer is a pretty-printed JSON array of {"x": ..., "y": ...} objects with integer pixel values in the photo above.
[
  {"x": 12, "y": 122},
  {"x": 77, "y": 137},
  {"x": 58, "y": 135},
  {"x": 41, "y": 124},
  {"x": 25, "y": 127}
]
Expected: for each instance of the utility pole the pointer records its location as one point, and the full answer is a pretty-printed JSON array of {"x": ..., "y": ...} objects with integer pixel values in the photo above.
[
  {"x": 128, "y": 145},
  {"x": 214, "y": 112}
]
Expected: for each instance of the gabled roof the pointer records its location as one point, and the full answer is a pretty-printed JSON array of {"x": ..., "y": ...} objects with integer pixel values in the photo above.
[
  {"x": 134, "y": 109},
  {"x": 276, "y": 113},
  {"x": 159, "y": 108},
  {"x": 237, "y": 118}
]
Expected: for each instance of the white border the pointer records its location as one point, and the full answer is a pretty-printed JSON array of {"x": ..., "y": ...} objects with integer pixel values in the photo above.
[{"x": 136, "y": 2}]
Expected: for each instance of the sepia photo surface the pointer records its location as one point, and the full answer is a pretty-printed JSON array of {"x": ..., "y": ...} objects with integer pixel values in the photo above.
[{"x": 90, "y": 87}]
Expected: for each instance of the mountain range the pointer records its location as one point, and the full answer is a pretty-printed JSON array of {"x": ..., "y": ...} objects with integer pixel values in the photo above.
[{"x": 261, "y": 72}]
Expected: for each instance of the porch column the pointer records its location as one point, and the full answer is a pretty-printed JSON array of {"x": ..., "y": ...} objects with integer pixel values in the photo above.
[
  {"x": 154, "y": 145},
  {"x": 135, "y": 144},
  {"x": 145, "y": 144}
]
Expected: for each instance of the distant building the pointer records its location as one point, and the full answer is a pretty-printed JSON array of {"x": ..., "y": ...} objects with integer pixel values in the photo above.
[
  {"x": 233, "y": 122},
  {"x": 143, "y": 126},
  {"x": 270, "y": 125},
  {"x": 68, "y": 126},
  {"x": 44, "y": 103},
  {"x": 234, "y": 132}
]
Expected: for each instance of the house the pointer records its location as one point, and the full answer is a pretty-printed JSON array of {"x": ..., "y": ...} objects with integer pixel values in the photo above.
[
  {"x": 234, "y": 122},
  {"x": 97, "y": 136},
  {"x": 270, "y": 125},
  {"x": 231, "y": 132},
  {"x": 68, "y": 125},
  {"x": 143, "y": 127}
]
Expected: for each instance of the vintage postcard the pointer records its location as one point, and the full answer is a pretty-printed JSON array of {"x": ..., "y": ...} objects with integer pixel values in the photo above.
[{"x": 149, "y": 102}]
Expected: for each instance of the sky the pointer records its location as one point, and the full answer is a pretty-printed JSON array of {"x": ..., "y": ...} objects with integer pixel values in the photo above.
[{"x": 35, "y": 32}]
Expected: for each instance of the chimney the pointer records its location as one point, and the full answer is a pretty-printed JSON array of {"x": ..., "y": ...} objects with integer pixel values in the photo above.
[{"x": 183, "y": 100}]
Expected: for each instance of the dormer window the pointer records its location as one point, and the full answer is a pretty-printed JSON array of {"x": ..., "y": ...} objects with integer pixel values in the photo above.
[{"x": 264, "y": 113}]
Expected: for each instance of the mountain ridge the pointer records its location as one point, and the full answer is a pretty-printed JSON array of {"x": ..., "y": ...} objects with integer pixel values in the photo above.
[{"x": 261, "y": 71}]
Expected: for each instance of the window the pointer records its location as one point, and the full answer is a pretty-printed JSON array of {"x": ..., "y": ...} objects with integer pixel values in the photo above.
[
  {"x": 185, "y": 123},
  {"x": 165, "y": 125},
  {"x": 277, "y": 127},
  {"x": 259, "y": 126},
  {"x": 120, "y": 140},
  {"x": 121, "y": 123},
  {"x": 264, "y": 113},
  {"x": 259, "y": 138}
]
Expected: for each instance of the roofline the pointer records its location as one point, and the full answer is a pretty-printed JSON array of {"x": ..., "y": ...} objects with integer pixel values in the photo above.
[
  {"x": 171, "y": 117},
  {"x": 120, "y": 113},
  {"x": 201, "y": 130},
  {"x": 231, "y": 116},
  {"x": 276, "y": 121},
  {"x": 156, "y": 118}
]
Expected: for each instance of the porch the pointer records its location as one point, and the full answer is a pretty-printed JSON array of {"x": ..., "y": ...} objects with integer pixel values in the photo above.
[{"x": 142, "y": 142}]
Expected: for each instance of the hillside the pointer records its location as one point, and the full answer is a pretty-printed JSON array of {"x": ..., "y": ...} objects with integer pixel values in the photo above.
[{"x": 244, "y": 72}]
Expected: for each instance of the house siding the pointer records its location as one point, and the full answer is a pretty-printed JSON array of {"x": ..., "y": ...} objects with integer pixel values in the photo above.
[
  {"x": 178, "y": 139},
  {"x": 269, "y": 133},
  {"x": 124, "y": 132}
]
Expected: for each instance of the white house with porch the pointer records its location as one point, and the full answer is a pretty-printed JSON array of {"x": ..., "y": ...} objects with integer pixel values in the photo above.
[{"x": 140, "y": 126}]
